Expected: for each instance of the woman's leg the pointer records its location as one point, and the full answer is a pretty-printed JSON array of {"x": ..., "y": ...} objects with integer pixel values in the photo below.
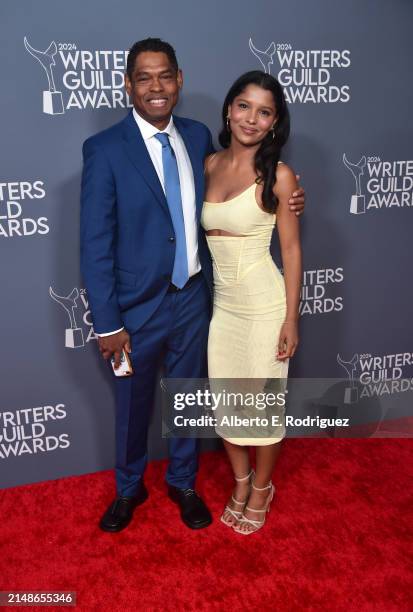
[
  {"x": 266, "y": 458},
  {"x": 240, "y": 462}
]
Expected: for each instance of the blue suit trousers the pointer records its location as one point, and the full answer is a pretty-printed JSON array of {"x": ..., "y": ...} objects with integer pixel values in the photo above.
[{"x": 178, "y": 332}]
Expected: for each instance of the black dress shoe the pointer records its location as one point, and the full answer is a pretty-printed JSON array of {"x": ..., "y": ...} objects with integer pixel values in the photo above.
[
  {"x": 120, "y": 512},
  {"x": 194, "y": 512}
]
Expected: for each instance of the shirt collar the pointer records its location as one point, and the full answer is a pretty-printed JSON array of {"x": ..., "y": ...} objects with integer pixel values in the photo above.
[{"x": 148, "y": 130}]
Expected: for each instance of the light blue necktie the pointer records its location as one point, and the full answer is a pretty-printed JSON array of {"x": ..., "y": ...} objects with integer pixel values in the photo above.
[{"x": 173, "y": 197}]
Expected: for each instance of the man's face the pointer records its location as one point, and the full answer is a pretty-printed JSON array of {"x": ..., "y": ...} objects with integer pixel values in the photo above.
[{"x": 154, "y": 87}]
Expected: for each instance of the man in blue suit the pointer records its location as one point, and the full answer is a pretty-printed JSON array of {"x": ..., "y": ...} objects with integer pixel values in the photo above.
[{"x": 147, "y": 269}]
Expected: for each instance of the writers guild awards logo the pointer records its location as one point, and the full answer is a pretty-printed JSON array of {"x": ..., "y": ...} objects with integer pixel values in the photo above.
[
  {"x": 52, "y": 99},
  {"x": 358, "y": 203},
  {"x": 87, "y": 78},
  {"x": 73, "y": 334},
  {"x": 322, "y": 291},
  {"x": 386, "y": 184},
  {"x": 18, "y": 200},
  {"x": 306, "y": 75},
  {"x": 377, "y": 375},
  {"x": 33, "y": 431},
  {"x": 264, "y": 57},
  {"x": 351, "y": 392}
]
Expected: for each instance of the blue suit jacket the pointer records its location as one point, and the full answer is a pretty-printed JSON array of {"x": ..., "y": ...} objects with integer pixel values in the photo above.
[{"x": 127, "y": 256}]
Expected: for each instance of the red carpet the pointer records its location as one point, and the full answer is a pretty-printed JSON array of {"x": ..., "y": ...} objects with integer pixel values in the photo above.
[{"x": 337, "y": 538}]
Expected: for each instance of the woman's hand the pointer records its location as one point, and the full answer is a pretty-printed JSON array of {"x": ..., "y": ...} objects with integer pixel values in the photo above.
[{"x": 288, "y": 340}]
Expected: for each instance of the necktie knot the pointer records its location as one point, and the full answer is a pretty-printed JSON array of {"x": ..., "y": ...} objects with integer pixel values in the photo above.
[{"x": 163, "y": 138}]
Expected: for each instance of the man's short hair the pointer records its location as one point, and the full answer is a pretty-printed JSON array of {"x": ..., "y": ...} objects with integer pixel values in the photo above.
[{"x": 150, "y": 44}]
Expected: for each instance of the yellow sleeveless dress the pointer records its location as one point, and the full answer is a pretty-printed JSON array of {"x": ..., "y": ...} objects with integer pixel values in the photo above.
[{"x": 249, "y": 306}]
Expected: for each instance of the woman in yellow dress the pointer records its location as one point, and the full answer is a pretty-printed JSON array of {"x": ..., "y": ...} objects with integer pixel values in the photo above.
[{"x": 254, "y": 327}]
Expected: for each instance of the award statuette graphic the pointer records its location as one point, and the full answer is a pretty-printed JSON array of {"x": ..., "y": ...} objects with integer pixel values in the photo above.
[
  {"x": 357, "y": 205},
  {"x": 73, "y": 334},
  {"x": 265, "y": 57},
  {"x": 351, "y": 392},
  {"x": 52, "y": 99}
]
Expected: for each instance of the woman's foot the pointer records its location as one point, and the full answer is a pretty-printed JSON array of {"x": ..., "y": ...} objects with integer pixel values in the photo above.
[
  {"x": 254, "y": 515},
  {"x": 234, "y": 509}
]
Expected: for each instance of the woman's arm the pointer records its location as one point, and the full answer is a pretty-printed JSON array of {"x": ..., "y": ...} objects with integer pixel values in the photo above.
[{"x": 289, "y": 235}]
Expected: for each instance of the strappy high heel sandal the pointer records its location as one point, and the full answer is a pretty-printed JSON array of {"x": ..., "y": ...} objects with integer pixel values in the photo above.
[
  {"x": 236, "y": 514},
  {"x": 255, "y": 524}
]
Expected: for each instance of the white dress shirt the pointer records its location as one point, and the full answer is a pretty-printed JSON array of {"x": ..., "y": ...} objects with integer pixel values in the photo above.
[{"x": 186, "y": 179}]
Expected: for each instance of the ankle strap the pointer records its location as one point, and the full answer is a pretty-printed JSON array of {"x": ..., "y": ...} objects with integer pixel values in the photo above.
[
  {"x": 253, "y": 509},
  {"x": 245, "y": 477},
  {"x": 269, "y": 485}
]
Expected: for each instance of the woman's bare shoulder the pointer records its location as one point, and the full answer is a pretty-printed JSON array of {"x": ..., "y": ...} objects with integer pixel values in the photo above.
[
  {"x": 211, "y": 161},
  {"x": 286, "y": 179},
  {"x": 284, "y": 171}
]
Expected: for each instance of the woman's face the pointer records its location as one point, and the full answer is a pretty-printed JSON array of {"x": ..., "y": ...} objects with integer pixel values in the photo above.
[{"x": 252, "y": 115}]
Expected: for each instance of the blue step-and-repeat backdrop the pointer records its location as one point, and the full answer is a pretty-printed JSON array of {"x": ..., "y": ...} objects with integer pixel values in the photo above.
[{"x": 346, "y": 70}]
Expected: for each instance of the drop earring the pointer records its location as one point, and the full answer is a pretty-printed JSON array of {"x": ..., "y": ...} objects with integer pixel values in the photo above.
[{"x": 228, "y": 128}]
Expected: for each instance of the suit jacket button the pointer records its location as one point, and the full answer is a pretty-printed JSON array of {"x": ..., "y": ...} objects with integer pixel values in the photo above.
[{"x": 171, "y": 239}]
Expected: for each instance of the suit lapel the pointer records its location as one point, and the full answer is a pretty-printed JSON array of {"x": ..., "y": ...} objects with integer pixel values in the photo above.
[
  {"x": 196, "y": 162},
  {"x": 139, "y": 156}
]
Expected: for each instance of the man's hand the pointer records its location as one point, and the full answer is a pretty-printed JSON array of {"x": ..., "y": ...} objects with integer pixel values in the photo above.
[
  {"x": 113, "y": 345},
  {"x": 297, "y": 202}
]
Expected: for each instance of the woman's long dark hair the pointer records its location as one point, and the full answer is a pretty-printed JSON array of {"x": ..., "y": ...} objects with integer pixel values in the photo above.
[{"x": 268, "y": 153}]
